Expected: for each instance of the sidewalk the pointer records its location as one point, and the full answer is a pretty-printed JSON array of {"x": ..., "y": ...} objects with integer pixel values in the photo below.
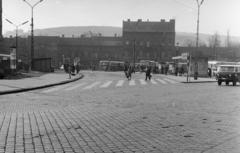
[
  {"x": 35, "y": 81},
  {"x": 183, "y": 79}
]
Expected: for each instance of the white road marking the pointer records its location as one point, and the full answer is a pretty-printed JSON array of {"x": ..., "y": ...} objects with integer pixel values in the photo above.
[
  {"x": 161, "y": 81},
  {"x": 76, "y": 86},
  {"x": 92, "y": 85},
  {"x": 143, "y": 82},
  {"x": 169, "y": 80},
  {"x": 54, "y": 89},
  {"x": 105, "y": 85},
  {"x": 153, "y": 81},
  {"x": 132, "y": 83},
  {"x": 120, "y": 83}
]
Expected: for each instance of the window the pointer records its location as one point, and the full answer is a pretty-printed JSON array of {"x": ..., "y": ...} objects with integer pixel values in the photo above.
[{"x": 148, "y": 44}]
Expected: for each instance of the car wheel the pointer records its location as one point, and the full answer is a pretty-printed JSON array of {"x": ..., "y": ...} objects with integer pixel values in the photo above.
[{"x": 219, "y": 82}]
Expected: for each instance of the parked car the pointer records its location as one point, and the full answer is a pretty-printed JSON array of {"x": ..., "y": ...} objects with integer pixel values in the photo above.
[{"x": 228, "y": 73}]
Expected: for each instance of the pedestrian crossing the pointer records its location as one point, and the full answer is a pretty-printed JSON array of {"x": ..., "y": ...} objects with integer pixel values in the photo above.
[{"x": 110, "y": 83}]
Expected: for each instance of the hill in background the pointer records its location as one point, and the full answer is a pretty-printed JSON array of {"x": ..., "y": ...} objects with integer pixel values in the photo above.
[{"x": 184, "y": 38}]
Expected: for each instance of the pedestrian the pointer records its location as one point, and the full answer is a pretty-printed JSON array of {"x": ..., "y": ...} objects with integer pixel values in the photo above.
[
  {"x": 69, "y": 71},
  {"x": 78, "y": 68},
  {"x": 176, "y": 71},
  {"x": 148, "y": 73},
  {"x": 210, "y": 72},
  {"x": 129, "y": 73},
  {"x": 126, "y": 70}
]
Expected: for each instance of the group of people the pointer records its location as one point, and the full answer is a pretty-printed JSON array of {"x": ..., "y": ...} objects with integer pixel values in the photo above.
[
  {"x": 128, "y": 70},
  {"x": 71, "y": 69}
]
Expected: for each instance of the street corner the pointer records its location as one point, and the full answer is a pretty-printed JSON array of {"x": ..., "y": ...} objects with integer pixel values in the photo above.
[{"x": 49, "y": 80}]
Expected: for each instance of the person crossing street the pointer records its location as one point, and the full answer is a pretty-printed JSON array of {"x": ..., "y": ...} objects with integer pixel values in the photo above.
[{"x": 148, "y": 73}]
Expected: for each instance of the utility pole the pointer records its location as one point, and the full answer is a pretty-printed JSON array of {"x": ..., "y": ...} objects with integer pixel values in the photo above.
[
  {"x": 16, "y": 26},
  {"x": 197, "y": 39},
  {"x": 32, "y": 31},
  {"x": 134, "y": 54}
]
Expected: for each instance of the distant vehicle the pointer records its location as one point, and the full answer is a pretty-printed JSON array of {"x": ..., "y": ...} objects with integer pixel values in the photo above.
[
  {"x": 214, "y": 64},
  {"x": 111, "y": 65},
  {"x": 228, "y": 73},
  {"x": 153, "y": 64},
  {"x": 103, "y": 65},
  {"x": 116, "y": 66}
]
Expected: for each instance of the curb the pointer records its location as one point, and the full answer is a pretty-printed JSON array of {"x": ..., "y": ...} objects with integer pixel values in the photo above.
[
  {"x": 200, "y": 82},
  {"x": 39, "y": 87}
]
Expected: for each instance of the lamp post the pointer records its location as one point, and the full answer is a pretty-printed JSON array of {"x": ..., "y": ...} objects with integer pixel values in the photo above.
[
  {"x": 16, "y": 26},
  {"x": 176, "y": 61},
  {"x": 32, "y": 32},
  {"x": 134, "y": 54},
  {"x": 197, "y": 39}
]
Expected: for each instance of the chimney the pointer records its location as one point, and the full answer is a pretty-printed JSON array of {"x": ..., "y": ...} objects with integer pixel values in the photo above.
[{"x": 128, "y": 20}]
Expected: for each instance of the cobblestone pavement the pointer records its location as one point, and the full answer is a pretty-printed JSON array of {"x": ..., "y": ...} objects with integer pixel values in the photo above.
[{"x": 172, "y": 118}]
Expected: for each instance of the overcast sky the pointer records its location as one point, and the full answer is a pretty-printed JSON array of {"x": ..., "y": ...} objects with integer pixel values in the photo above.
[{"x": 216, "y": 15}]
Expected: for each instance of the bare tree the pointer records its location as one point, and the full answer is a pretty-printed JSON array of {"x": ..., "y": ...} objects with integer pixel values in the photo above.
[{"x": 215, "y": 42}]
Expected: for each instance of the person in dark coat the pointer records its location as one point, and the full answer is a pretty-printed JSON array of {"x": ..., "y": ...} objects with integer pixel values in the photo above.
[
  {"x": 148, "y": 73},
  {"x": 78, "y": 68},
  {"x": 129, "y": 73}
]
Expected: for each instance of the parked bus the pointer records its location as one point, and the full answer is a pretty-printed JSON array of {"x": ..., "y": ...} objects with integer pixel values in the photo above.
[
  {"x": 116, "y": 65},
  {"x": 153, "y": 64},
  {"x": 111, "y": 65},
  {"x": 103, "y": 65}
]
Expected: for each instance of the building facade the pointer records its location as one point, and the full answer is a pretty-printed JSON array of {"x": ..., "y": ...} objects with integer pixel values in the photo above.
[
  {"x": 146, "y": 33},
  {"x": 140, "y": 41}
]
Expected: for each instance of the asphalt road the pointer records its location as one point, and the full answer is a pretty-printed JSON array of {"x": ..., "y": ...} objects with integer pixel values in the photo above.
[{"x": 104, "y": 112}]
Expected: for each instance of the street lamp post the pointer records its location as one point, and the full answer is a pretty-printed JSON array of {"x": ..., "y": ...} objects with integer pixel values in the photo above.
[
  {"x": 197, "y": 39},
  {"x": 134, "y": 54},
  {"x": 16, "y": 26},
  {"x": 32, "y": 32}
]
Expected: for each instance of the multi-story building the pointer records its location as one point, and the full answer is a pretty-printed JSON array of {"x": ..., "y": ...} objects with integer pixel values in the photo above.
[{"x": 149, "y": 33}]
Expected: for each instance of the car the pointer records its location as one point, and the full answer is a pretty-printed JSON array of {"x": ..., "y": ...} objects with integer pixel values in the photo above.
[{"x": 228, "y": 73}]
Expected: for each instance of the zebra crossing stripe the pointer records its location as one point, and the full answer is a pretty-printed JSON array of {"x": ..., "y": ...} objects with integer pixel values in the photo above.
[
  {"x": 171, "y": 81},
  {"x": 161, "y": 81},
  {"x": 143, "y": 82},
  {"x": 54, "y": 89},
  {"x": 92, "y": 85},
  {"x": 153, "y": 81},
  {"x": 132, "y": 83},
  {"x": 120, "y": 83},
  {"x": 105, "y": 85},
  {"x": 76, "y": 86}
]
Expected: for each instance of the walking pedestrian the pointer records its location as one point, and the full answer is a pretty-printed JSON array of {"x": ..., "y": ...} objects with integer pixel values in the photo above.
[
  {"x": 129, "y": 73},
  {"x": 148, "y": 73},
  {"x": 78, "y": 68},
  {"x": 69, "y": 71}
]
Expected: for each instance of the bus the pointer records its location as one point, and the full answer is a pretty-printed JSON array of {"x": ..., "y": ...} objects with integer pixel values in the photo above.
[
  {"x": 111, "y": 65},
  {"x": 153, "y": 64},
  {"x": 116, "y": 66},
  {"x": 103, "y": 65}
]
